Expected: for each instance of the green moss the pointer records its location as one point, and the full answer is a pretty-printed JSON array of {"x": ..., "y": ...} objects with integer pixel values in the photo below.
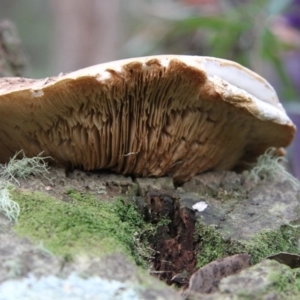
[
  {"x": 211, "y": 246},
  {"x": 281, "y": 279},
  {"x": 269, "y": 242},
  {"x": 293, "y": 286},
  {"x": 84, "y": 225}
]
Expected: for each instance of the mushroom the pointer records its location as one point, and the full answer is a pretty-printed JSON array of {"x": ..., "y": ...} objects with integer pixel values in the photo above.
[{"x": 149, "y": 116}]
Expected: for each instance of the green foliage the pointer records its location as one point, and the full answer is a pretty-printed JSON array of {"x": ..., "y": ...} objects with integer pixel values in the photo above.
[
  {"x": 241, "y": 32},
  {"x": 85, "y": 225}
]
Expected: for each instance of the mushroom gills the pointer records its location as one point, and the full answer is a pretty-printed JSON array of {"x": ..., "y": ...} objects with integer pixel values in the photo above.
[{"x": 151, "y": 116}]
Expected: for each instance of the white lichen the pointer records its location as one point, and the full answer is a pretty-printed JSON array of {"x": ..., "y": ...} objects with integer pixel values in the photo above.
[
  {"x": 9, "y": 207},
  {"x": 271, "y": 166},
  {"x": 10, "y": 173},
  {"x": 24, "y": 167}
]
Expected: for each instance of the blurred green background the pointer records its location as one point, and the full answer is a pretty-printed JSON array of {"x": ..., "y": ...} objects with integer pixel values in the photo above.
[{"x": 64, "y": 35}]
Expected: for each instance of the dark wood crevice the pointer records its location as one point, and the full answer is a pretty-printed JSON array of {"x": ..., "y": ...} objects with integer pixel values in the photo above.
[{"x": 174, "y": 260}]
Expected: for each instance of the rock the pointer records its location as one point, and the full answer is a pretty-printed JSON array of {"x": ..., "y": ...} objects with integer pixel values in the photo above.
[
  {"x": 215, "y": 184},
  {"x": 19, "y": 256},
  {"x": 206, "y": 279},
  {"x": 154, "y": 184},
  {"x": 242, "y": 216},
  {"x": 255, "y": 279},
  {"x": 266, "y": 280}
]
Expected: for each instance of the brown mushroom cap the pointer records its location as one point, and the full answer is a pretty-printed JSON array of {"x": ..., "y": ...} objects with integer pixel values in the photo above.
[{"x": 150, "y": 116}]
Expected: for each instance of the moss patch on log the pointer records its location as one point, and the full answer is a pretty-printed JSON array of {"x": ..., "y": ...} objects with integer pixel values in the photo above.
[
  {"x": 83, "y": 225},
  {"x": 212, "y": 246}
]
